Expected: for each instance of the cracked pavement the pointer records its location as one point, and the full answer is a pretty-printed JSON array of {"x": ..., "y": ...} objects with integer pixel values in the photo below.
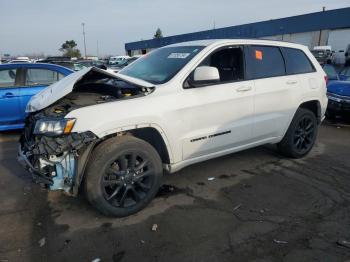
[{"x": 258, "y": 207}]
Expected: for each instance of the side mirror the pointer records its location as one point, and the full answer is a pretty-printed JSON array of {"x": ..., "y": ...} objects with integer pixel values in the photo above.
[{"x": 205, "y": 75}]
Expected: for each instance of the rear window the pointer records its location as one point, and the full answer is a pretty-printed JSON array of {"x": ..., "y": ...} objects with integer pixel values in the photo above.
[
  {"x": 264, "y": 61},
  {"x": 296, "y": 61}
]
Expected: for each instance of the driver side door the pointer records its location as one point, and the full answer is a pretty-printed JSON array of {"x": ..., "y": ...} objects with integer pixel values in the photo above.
[{"x": 218, "y": 116}]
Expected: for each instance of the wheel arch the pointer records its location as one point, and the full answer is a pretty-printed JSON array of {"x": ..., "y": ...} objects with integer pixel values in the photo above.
[
  {"x": 314, "y": 106},
  {"x": 151, "y": 133}
]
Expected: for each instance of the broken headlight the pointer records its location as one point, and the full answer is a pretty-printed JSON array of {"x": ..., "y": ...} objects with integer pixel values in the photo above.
[{"x": 54, "y": 127}]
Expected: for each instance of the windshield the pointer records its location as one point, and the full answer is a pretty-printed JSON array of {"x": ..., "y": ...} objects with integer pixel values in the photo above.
[
  {"x": 162, "y": 64},
  {"x": 331, "y": 72}
]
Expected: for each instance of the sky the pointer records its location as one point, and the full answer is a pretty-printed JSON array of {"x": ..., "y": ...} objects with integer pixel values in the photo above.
[{"x": 41, "y": 26}]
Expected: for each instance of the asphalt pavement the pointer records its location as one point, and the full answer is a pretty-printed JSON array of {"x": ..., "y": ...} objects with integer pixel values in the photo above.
[{"x": 249, "y": 206}]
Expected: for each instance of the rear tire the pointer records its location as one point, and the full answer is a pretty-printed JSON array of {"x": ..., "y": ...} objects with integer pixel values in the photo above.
[
  {"x": 300, "y": 136},
  {"x": 123, "y": 176}
]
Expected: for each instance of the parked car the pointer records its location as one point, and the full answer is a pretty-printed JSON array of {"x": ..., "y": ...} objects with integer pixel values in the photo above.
[
  {"x": 323, "y": 54},
  {"x": 96, "y": 63},
  {"x": 344, "y": 73},
  {"x": 114, "y": 60},
  {"x": 181, "y": 104},
  {"x": 338, "y": 93},
  {"x": 18, "y": 83},
  {"x": 116, "y": 68},
  {"x": 21, "y": 59},
  {"x": 75, "y": 66}
]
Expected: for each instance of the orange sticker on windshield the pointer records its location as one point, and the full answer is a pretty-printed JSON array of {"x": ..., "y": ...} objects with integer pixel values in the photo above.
[{"x": 258, "y": 55}]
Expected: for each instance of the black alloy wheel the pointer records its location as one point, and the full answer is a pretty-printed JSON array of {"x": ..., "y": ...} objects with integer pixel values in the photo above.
[
  {"x": 123, "y": 175},
  {"x": 128, "y": 179},
  {"x": 301, "y": 134},
  {"x": 304, "y": 134}
]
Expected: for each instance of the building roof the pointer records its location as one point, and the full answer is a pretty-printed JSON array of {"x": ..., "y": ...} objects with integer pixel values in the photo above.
[
  {"x": 237, "y": 41},
  {"x": 332, "y": 19}
]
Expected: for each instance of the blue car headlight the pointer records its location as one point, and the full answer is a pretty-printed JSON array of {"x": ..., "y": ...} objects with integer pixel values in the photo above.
[{"x": 54, "y": 127}]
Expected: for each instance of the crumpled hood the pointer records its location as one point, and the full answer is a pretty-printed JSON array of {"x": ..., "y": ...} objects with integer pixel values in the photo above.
[
  {"x": 56, "y": 91},
  {"x": 341, "y": 88}
]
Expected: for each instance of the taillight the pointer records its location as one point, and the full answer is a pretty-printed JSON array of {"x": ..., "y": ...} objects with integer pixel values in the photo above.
[{"x": 326, "y": 79}]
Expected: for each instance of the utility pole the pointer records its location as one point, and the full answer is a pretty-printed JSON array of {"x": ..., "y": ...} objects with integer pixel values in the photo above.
[
  {"x": 97, "y": 47},
  {"x": 83, "y": 25}
]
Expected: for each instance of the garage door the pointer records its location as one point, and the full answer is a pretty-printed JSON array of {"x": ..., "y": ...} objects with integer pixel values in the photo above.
[
  {"x": 302, "y": 38},
  {"x": 339, "y": 40}
]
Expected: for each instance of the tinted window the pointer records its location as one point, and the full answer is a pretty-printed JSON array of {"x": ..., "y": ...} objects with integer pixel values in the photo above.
[
  {"x": 36, "y": 76},
  {"x": 296, "y": 61},
  {"x": 162, "y": 64},
  {"x": 264, "y": 61},
  {"x": 7, "y": 77},
  {"x": 229, "y": 62}
]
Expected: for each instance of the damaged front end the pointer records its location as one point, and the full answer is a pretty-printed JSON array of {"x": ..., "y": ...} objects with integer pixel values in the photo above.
[
  {"x": 56, "y": 162},
  {"x": 49, "y": 148}
]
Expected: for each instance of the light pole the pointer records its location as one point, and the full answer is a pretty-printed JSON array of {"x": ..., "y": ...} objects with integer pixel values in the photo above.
[{"x": 83, "y": 25}]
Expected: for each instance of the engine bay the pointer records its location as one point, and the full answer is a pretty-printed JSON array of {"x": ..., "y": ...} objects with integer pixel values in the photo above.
[{"x": 89, "y": 92}]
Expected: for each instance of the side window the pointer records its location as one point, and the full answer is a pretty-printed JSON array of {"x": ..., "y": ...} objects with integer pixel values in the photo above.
[
  {"x": 228, "y": 61},
  {"x": 38, "y": 76},
  {"x": 7, "y": 78},
  {"x": 264, "y": 61},
  {"x": 296, "y": 61}
]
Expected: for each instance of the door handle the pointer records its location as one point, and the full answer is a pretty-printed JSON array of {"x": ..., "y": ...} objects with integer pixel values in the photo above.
[
  {"x": 8, "y": 95},
  {"x": 244, "y": 89},
  {"x": 291, "y": 82}
]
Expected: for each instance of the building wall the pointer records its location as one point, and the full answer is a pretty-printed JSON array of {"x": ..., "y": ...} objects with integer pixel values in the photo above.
[
  {"x": 339, "y": 40},
  {"x": 320, "y": 28}
]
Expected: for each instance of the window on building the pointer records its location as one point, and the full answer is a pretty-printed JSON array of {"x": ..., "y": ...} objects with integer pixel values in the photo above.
[
  {"x": 296, "y": 61},
  {"x": 264, "y": 61}
]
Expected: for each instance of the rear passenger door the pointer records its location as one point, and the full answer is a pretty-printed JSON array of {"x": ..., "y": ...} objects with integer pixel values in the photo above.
[
  {"x": 35, "y": 80},
  {"x": 275, "y": 95}
]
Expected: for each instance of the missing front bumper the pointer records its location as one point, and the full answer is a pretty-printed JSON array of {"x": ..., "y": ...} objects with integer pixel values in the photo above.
[{"x": 58, "y": 163}]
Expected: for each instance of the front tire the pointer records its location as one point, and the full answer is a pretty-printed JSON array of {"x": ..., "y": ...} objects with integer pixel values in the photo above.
[
  {"x": 301, "y": 134},
  {"x": 123, "y": 176}
]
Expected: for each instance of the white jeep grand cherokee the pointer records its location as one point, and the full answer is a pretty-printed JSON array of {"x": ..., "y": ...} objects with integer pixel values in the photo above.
[{"x": 115, "y": 134}]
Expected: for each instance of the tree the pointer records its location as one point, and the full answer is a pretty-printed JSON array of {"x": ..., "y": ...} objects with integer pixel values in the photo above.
[
  {"x": 68, "y": 48},
  {"x": 158, "y": 33}
]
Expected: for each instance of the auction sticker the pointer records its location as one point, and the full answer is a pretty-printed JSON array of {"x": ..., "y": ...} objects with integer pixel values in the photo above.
[{"x": 179, "y": 55}]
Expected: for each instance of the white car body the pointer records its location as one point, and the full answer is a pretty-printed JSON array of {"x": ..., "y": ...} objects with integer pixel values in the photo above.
[{"x": 197, "y": 124}]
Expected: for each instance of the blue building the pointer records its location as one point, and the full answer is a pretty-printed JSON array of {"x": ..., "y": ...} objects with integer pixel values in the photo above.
[{"x": 321, "y": 28}]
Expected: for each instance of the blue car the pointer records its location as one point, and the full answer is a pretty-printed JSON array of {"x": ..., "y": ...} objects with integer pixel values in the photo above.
[
  {"x": 344, "y": 73},
  {"x": 338, "y": 93},
  {"x": 18, "y": 83}
]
